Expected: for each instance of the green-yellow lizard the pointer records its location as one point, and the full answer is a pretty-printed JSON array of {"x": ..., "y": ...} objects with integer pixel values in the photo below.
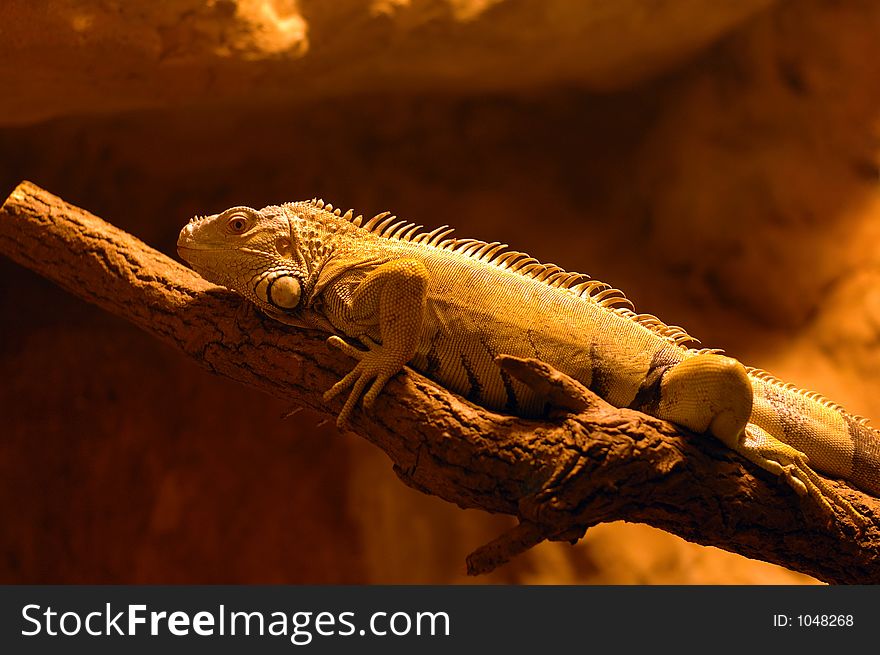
[{"x": 447, "y": 307}]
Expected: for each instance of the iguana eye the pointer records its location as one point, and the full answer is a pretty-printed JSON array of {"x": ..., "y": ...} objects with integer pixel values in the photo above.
[{"x": 237, "y": 224}]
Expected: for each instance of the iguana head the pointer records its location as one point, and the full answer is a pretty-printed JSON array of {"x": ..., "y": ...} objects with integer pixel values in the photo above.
[{"x": 265, "y": 255}]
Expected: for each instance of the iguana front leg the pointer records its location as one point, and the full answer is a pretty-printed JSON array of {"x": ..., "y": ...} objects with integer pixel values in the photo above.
[
  {"x": 393, "y": 297},
  {"x": 713, "y": 393}
]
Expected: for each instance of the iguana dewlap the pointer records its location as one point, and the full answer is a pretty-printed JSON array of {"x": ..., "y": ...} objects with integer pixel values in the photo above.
[{"x": 447, "y": 307}]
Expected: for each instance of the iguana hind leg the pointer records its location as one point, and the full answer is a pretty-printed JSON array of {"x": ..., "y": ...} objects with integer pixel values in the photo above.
[
  {"x": 712, "y": 393},
  {"x": 707, "y": 393},
  {"x": 760, "y": 447}
]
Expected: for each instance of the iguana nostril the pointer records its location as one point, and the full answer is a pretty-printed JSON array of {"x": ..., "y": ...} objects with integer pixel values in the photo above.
[{"x": 185, "y": 235}]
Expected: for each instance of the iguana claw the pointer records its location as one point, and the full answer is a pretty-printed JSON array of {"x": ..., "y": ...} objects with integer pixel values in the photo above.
[
  {"x": 374, "y": 365},
  {"x": 793, "y": 465}
]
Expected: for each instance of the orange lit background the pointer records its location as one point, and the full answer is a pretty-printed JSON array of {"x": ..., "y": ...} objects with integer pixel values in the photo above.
[{"x": 719, "y": 161}]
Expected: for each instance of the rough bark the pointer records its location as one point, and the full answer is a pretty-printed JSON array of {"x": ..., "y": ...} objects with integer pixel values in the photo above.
[{"x": 589, "y": 464}]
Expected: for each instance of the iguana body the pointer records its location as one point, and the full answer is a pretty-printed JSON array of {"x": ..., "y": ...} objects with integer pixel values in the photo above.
[{"x": 447, "y": 307}]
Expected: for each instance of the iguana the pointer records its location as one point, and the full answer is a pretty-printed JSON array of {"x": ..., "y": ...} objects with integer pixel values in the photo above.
[{"x": 447, "y": 307}]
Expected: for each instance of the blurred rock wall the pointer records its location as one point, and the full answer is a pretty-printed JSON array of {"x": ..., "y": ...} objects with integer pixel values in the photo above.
[{"x": 62, "y": 57}]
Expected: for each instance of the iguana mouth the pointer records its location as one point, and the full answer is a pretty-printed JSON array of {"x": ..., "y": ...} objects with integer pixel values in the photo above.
[{"x": 191, "y": 248}]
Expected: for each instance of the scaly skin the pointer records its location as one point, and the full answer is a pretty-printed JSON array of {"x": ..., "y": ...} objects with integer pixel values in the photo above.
[{"x": 448, "y": 307}]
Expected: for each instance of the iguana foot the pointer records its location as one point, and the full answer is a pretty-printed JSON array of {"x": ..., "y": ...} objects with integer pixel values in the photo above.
[
  {"x": 374, "y": 368},
  {"x": 781, "y": 459}
]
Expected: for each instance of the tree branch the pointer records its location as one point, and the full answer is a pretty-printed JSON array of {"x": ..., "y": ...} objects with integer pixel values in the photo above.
[{"x": 591, "y": 464}]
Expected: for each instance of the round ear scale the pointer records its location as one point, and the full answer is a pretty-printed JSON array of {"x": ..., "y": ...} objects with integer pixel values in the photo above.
[{"x": 284, "y": 292}]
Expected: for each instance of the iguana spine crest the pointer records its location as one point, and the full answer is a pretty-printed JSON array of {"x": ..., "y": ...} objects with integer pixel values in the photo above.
[{"x": 494, "y": 253}]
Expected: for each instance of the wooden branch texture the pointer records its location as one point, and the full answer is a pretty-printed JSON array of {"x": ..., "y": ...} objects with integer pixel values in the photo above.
[{"x": 591, "y": 464}]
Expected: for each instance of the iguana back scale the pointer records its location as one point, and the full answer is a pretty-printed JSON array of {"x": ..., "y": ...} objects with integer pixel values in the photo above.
[{"x": 448, "y": 307}]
